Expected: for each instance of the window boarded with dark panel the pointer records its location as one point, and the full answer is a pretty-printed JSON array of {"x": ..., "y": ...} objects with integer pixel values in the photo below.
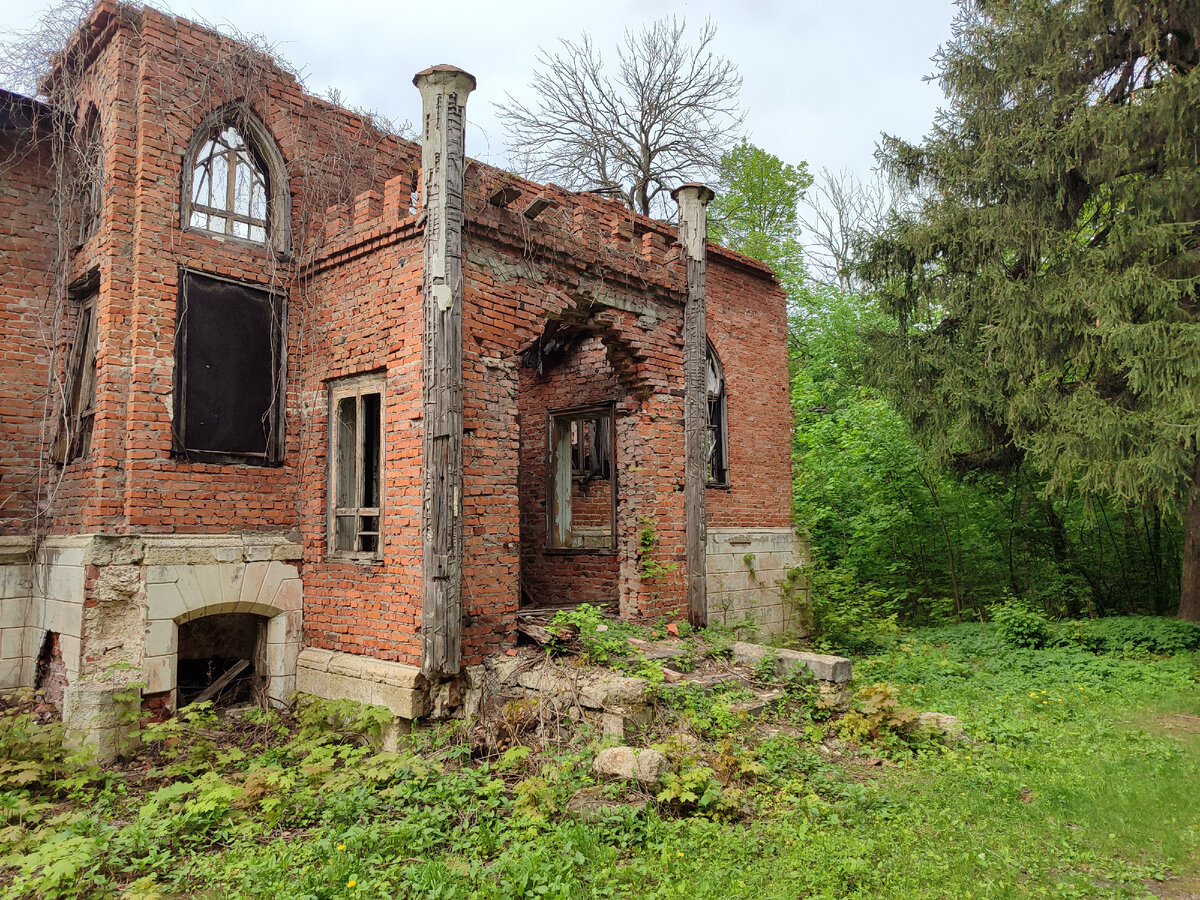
[{"x": 229, "y": 371}]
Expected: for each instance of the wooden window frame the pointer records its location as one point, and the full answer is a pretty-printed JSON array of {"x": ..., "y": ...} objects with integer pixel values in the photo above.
[
  {"x": 569, "y": 414},
  {"x": 357, "y": 387},
  {"x": 259, "y": 150},
  {"x": 237, "y": 157},
  {"x": 74, "y": 440},
  {"x": 89, "y": 177}
]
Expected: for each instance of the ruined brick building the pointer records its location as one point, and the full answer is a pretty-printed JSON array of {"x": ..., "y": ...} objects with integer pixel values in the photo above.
[{"x": 280, "y": 386}]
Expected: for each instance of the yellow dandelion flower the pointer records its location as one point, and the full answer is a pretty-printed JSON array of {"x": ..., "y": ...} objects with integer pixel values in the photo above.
[
  {"x": 351, "y": 883},
  {"x": 1033, "y": 693},
  {"x": 341, "y": 846},
  {"x": 1045, "y": 703},
  {"x": 681, "y": 853}
]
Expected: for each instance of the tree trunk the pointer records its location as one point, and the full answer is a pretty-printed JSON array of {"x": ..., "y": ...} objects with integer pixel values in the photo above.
[{"x": 1189, "y": 582}]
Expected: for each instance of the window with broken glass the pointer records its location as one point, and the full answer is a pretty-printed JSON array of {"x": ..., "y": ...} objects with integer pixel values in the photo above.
[
  {"x": 230, "y": 191},
  {"x": 581, "y": 483},
  {"x": 89, "y": 178},
  {"x": 356, "y": 466},
  {"x": 74, "y": 438},
  {"x": 718, "y": 443}
]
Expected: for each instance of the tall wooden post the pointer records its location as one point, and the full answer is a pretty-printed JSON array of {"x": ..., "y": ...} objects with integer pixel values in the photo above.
[
  {"x": 444, "y": 91},
  {"x": 693, "y": 201}
]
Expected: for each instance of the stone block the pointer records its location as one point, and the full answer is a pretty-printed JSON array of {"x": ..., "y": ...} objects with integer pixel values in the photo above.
[
  {"x": 162, "y": 637},
  {"x": 64, "y": 617},
  {"x": 72, "y": 652},
  {"x": 280, "y": 689},
  {"x": 287, "y": 627},
  {"x": 281, "y": 659},
  {"x": 377, "y": 682},
  {"x": 11, "y": 671},
  {"x": 164, "y": 601},
  {"x": 12, "y": 612},
  {"x": 162, "y": 574},
  {"x": 290, "y": 594},
  {"x": 159, "y": 674},
  {"x": 252, "y": 582},
  {"x": 626, "y": 725},
  {"x": 646, "y": 766},
  {"x": 92, "y": 714},
  {"x": 11, "y": 641},
  {"x": 591, "y": 690},
  {"x": 316, "y": 659},
  {"x": 823, "y": 667}
]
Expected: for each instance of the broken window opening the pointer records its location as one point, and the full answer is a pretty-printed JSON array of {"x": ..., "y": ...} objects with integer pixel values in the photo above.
[
  {"x": 581, "y": 483},
  {"x": 229, "y": 370},
  {"x": 74, "y": 438},
  {"x": 718, "y": 438},
  {"x": 89, "y": 177},
  {"x": 230, "y": 191},
  {"x": 356, "y": 476},
  {"x": 590, "y": 453}
]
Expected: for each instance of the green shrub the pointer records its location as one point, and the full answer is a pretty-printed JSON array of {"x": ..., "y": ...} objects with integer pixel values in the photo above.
[
  {"x": 605, "y": 641},
  {"x": 1129, "y": 635},
  {"x": 1020, "y": 626}
]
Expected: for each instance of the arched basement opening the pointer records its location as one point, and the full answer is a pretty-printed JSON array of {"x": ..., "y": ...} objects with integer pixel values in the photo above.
[{"x": 222, "y": 658}]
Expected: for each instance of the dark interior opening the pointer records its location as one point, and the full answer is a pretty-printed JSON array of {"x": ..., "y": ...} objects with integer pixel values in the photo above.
[{"x": 222, "y": 659}]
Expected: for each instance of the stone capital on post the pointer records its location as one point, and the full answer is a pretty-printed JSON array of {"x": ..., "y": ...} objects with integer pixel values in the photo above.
[{"x": 693, "y": 200}]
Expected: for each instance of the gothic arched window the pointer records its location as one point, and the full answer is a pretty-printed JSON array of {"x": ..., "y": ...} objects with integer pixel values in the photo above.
[{"x": 230, "y": 190}]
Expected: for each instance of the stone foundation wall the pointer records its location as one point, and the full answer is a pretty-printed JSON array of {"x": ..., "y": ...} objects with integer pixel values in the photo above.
[
  {"x": 754, "y": 583},
  {"x": 119, "y": 601},
  {"x": 36, "y": 598}
]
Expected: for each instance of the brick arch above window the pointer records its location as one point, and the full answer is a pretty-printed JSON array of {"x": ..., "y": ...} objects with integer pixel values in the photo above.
[{"x": 235, "y": 180}]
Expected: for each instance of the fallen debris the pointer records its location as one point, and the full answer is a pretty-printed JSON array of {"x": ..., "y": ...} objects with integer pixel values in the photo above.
[{"x": 647, "y": 766}]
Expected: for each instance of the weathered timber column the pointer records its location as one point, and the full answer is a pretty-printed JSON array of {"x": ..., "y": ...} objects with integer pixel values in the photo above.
[
  {"x": 693, "y": 201},
  {"x": 444, "y": 92}
]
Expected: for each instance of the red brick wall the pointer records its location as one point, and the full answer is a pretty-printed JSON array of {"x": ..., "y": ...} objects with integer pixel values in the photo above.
[
  {"x": 366, "y": 318},
  {"x": 27, "y": 246},
  {"x": 352, "y": 278},
  {"x": 154, "y": 81},
  {"x": 747, "y": 325}
]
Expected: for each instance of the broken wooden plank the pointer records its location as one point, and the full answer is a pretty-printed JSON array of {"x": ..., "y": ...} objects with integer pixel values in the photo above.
[
  {"x": 223, "y": 682},
  {"x": 564, "y": 634}
]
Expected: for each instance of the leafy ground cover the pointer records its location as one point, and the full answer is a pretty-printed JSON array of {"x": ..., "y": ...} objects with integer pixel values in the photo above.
[{"x": 1078, "y": 780}]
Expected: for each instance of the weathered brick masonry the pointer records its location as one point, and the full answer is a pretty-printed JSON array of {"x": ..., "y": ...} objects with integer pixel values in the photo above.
[{"x": 566, "y": 300}]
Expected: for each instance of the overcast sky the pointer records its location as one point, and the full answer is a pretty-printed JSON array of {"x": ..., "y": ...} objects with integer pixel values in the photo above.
[{"x": 822, "y": 78}]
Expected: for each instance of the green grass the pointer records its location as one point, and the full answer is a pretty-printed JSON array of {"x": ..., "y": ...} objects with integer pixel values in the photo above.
[{"x": 1075, "y": 786}]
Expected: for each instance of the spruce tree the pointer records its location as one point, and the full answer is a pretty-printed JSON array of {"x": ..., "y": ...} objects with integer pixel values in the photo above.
[{"x": 1045, "y": 282}]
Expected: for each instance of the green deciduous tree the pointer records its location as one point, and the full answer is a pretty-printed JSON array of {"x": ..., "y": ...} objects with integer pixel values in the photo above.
[
  {"x": 1047, "y": 284},
  {"x": 755, "y": 210}
]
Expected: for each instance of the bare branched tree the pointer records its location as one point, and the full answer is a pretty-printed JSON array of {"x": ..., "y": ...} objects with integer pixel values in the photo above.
[
  {"x": 664, "y": 118},
  {"x": 837, "y": 209}
]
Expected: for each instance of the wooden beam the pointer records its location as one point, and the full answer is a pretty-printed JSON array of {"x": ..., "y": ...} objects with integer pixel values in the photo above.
[
  {"x": 693, "y": 200},
  {"x": 444, "y": 91},
  {"x": 221, "y": 683}
]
